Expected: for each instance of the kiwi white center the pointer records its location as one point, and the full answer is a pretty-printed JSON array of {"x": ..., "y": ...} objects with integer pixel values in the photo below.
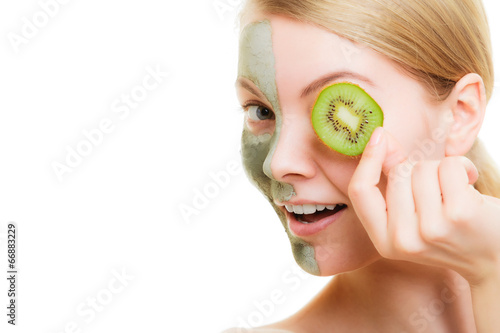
[{"x": 350, "y": 119}]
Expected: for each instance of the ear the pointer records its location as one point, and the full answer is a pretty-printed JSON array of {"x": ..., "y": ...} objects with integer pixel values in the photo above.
[{"x": 468, "y": 105}]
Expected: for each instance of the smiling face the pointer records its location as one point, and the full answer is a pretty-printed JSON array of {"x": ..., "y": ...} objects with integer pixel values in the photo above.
[{"x": 283, "y": 65}]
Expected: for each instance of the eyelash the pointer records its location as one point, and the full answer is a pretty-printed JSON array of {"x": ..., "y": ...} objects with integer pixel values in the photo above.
[{"x": 252, "y": 103}]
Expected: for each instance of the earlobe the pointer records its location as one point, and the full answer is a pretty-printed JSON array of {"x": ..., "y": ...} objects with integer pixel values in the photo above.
[{"x": 468, "y": 105}]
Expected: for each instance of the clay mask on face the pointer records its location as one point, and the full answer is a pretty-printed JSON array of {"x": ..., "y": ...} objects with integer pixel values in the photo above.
[{"x": 256, "y": 63}]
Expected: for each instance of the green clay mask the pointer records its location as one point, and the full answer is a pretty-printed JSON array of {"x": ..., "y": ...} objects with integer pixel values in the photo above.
[{"x": 257, "y": 64}]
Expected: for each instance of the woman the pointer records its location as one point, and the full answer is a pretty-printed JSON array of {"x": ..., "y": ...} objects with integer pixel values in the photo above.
[{"x": 410, "y": 228}]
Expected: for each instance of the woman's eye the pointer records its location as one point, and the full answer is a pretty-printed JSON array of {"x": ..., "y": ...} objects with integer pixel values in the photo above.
[{"x": 258, "y": 113}]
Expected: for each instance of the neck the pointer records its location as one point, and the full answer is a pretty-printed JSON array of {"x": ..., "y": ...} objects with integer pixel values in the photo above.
[{"x": 398, "y": 297}]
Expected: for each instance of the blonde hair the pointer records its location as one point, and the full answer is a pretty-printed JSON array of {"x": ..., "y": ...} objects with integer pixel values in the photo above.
[{"x": 435, "y": 41}]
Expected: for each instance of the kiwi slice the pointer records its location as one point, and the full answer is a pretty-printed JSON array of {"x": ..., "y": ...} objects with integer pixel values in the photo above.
[{"x": 344, "y": 117}]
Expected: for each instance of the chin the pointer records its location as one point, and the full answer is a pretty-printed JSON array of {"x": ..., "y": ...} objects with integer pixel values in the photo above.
[
  {"x": 326, "y": 256},
  {"x": 332, "y": 259},
  {"x": 327, "y": 253},
  {"x": 337, "y": 265}
]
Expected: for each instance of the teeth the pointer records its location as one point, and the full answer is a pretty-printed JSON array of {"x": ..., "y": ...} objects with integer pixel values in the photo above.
[
  {"x": 308, "y": 209},
  {"x": 298, "y": 209}
]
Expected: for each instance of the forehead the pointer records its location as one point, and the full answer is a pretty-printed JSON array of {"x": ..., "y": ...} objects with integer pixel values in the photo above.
[
  {"x": 293, "y": 42},
  {"x": 256, "y": 60},
  {"x": 305, "y": 48},
  {"x": 300, "y": 53}
]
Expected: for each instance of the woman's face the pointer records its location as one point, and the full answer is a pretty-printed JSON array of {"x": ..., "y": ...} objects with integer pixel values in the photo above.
[{"x": 283, "y": 65}]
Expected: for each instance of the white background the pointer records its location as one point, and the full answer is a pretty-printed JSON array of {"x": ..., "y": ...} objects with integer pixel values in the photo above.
[{"x": 118, "y": 210}]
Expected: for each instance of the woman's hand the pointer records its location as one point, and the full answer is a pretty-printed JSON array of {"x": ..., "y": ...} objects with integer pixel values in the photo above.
[{"x": 430, "y": 213}]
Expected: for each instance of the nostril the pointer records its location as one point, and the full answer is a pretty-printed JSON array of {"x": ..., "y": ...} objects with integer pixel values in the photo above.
[{"x": 287, "y": 162}]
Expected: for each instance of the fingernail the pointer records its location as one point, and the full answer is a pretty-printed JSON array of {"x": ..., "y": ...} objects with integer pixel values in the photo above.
[{"x": 376, "y": 136}]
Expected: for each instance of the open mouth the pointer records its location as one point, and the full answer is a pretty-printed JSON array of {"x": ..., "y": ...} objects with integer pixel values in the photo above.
[{"x": 313, "y": 213}]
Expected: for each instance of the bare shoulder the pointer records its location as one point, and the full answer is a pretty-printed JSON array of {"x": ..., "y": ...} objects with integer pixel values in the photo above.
[{"x": 256, "y": 330}]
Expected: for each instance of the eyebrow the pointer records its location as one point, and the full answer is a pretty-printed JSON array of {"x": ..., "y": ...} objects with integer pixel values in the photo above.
[
  {"x": 240, "y": 82},
  {"x": 312, "y": 87},
  {"x": 324, "y": 80}
]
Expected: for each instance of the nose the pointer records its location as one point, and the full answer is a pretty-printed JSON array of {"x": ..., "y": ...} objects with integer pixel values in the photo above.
[{"x": 292, "y": 157}]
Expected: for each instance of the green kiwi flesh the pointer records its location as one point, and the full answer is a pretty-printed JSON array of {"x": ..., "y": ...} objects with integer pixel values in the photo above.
[{"x": 344, "y": 117}]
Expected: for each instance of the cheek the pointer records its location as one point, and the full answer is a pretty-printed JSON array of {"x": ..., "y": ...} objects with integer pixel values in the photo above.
[
  {"x": 340, "y": 170},
  {"x": 411, "y": 120},
  {"x": 419, "y": 139},
  {"x": 254, "y": 150}
]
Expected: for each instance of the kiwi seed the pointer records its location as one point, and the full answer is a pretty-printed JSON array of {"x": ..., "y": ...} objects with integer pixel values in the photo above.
[{"x": 344, "y": 117}]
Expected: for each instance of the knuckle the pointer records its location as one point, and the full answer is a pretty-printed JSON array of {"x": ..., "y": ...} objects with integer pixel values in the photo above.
[
  {"x": 434, "y": 233},
  {"x": 464, "y": 209},
  {"x": 386, "y": 252},
  {"x": 451, "y": 162},
  {"x": 426, "y": 167},
  {"x": 402, "y": 171},
  {"x": 356, "y": 189},
  {"x": 420, "y": 167},
  {"x": 454, "y": 214},
  {"x": 459, "y": 214},
  {"x": 461, "y": 160},
  {"x": 399, "y": 172},
  {"x": 448, "y": 161},
  {"x": 406, "y": 246},
  {"x": 446, "y": 165}
]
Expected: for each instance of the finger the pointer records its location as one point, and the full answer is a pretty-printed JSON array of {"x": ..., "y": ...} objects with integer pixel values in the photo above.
[
  {"x": 456, "y": 174},
  {"x": 399, "y": 188},
  {"x": 395, "y": 154},
  {"x": 402, "y": 221},
  {"x": 428, "y": 201},
  {"x": 403, "y": 225},
  {"x": 472, "y": 172},
  {"x": 399, "y": 194},
  {"x": 367, "y": 200},
  {"x": 427, "y": 190}
]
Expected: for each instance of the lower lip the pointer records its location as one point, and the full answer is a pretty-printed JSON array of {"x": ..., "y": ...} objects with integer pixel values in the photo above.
[{"x": 307, "y": 229}]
